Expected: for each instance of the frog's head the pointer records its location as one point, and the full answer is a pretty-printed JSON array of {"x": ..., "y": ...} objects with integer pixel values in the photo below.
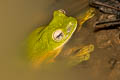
[{"x": 61, "y": 28}]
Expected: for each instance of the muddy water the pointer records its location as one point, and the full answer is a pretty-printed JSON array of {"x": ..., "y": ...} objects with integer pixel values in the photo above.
[{"x": 17, "y": 19}]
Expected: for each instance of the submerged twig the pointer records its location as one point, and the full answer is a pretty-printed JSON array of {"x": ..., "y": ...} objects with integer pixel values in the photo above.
[{"x": 105, "y": 5}]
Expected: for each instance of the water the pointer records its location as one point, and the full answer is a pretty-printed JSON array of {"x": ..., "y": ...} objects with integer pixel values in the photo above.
[{"x": 18, "y": 18}]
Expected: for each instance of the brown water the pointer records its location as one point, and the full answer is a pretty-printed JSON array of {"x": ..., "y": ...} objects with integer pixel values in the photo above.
[{"x": 18, "y": 19}]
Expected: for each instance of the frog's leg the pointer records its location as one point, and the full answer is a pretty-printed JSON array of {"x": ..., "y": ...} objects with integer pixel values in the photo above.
[
  {"x": 54, "y": 55},
  {"x": 81, "y": 19},
  {"x": 47, "y": 58},
  {"x": 82, "y": 55}
]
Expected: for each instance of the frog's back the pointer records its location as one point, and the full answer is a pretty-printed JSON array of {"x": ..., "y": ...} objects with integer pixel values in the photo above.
[{"x": 34, "y": 37}]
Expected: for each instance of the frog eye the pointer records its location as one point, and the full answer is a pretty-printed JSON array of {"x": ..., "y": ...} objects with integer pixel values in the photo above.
[{"x": 58, "y": 35}]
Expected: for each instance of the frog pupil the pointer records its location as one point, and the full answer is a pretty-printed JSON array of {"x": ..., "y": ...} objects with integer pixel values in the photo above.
[{"x": 59, "y": 35}]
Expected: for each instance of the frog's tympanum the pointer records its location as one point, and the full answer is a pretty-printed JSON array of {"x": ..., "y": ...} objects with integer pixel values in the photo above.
[{"x": 45, "y": 43}]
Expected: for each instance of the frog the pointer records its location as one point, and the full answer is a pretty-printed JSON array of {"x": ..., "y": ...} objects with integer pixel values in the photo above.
[{"x": 46, "y": 42}]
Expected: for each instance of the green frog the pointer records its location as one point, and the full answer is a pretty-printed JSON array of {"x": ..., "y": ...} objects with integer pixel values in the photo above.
[{"x": 46, "y": 42}]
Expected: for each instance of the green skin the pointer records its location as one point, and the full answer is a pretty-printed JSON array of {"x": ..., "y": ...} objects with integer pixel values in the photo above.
[
  {"x": 41, "y": 41},
  {"x": 45, "y": 41}
]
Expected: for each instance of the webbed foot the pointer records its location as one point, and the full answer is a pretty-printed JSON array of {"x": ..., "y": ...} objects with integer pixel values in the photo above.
[
  {"x": 83, "y": 18},
  {"x": 82, "y": 55}
]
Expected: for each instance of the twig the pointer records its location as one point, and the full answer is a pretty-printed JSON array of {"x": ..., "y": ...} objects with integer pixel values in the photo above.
[{"x": 105, "y": 5}]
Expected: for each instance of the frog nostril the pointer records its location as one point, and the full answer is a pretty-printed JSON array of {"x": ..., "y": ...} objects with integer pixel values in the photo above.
[
  {"x": 58, "y": 35},
  {"x": 62, "y": 11}
]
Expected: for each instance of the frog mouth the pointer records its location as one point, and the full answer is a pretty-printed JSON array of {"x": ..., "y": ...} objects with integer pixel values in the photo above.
[{"x": 62, "y": 11}]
